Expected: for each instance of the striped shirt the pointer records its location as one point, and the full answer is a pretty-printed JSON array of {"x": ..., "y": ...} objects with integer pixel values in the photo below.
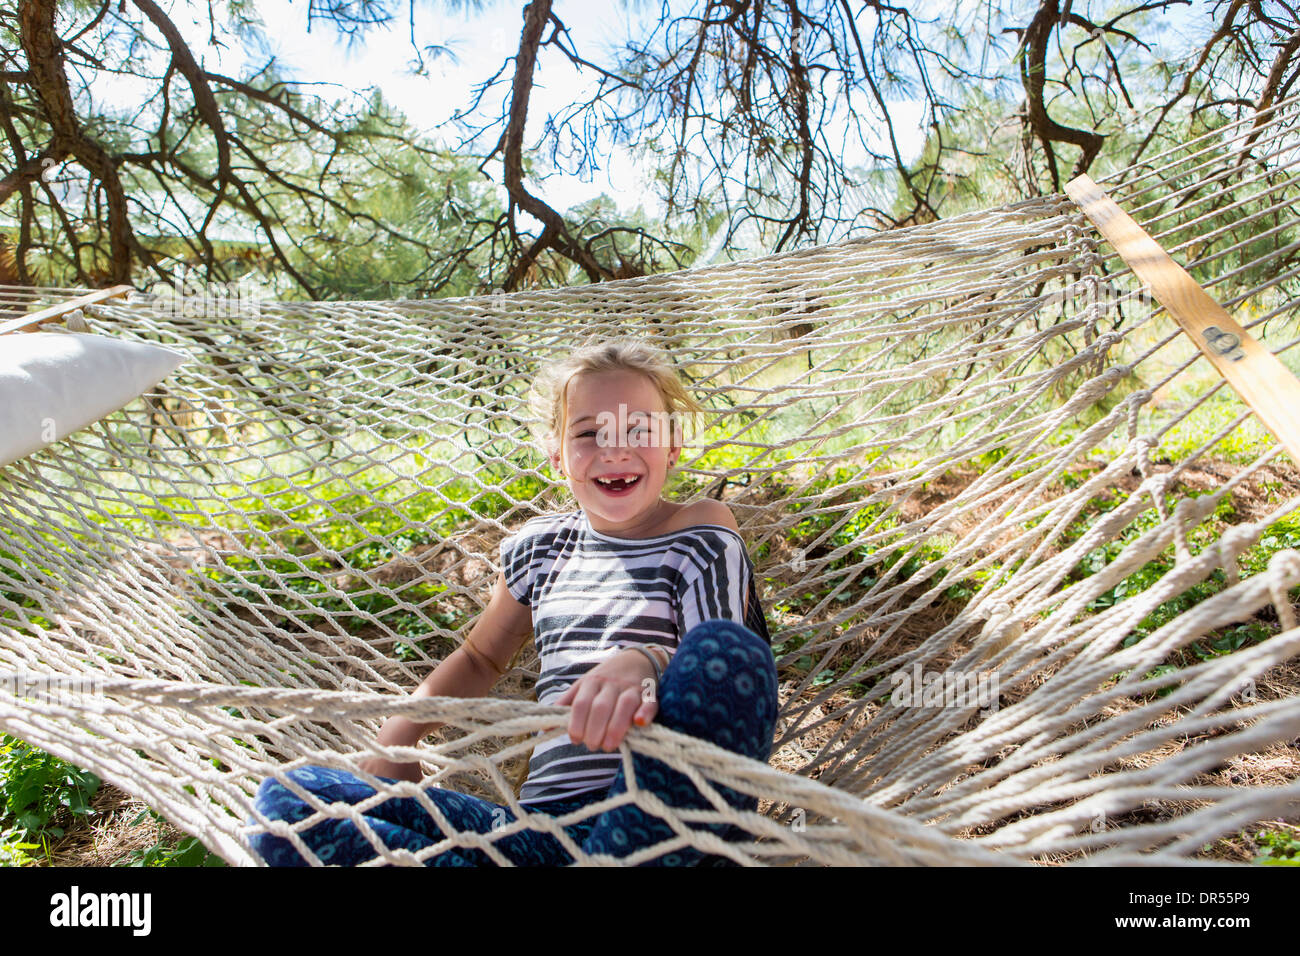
[{"x": 592, "y": 595}]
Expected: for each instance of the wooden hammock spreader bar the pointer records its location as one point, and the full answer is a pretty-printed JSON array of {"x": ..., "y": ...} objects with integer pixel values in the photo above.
[
  {"x": 34, "y": 319},
  {"x": 1258, "y": 376}
]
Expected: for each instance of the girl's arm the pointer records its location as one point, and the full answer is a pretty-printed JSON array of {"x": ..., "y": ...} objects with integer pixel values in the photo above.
[{"x": 469, "y": 671}]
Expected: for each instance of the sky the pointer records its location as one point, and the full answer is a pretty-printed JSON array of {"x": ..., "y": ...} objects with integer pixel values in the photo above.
[{"x": 478, "y": 44}]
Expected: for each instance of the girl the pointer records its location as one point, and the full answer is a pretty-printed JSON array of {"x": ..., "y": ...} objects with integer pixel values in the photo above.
[{"x": 641, "y": 609}]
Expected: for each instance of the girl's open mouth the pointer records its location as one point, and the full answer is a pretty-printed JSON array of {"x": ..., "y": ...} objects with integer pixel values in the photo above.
[{"x": 617, "y": 486}]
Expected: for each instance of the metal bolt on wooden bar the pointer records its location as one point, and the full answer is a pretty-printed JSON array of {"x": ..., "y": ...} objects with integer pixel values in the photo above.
[{"x": 1257, "y": 375}]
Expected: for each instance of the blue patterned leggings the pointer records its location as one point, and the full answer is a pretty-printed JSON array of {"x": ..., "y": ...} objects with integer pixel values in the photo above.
[{"x": 720, "y": 686}]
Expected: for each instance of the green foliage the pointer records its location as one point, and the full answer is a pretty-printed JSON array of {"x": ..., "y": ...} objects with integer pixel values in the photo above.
[
  {"x": 18, "y": 598},
  {"x": 405, "y": 210},
  {"x": 186, "y": 852},
  {"x": 39, "y": 792},
  {"x": 1284, "y": 534},
  {"x": 1281, "y": 848},
  {"x": 367, "y": 522},
  {"x": 1241, "y": 446},
  {"x": 16, "y": 850}
]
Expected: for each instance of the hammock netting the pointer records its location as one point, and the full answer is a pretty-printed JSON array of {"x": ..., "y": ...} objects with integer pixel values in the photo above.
[{"x": 971, "y": 448}]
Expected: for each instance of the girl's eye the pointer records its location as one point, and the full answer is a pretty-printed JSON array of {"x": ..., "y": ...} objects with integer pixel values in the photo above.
[{"x": 637, "y": 431}]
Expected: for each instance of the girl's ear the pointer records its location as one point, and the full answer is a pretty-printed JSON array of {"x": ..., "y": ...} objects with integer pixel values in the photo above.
[{"x": 677, "y": 439}]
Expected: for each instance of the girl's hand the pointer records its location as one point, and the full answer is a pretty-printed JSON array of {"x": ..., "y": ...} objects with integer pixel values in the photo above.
[
  {"x": 396, "y": 771},
  {"x": 608, "y": 698},
  {"x": 399, "y": 732}
]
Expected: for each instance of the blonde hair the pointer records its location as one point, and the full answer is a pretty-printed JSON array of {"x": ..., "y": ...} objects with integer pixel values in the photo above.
[{"x": 549, "y": 396}]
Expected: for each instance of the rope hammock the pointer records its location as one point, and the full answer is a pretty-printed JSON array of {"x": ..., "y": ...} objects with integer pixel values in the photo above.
[{"x": 971, "y": 447}]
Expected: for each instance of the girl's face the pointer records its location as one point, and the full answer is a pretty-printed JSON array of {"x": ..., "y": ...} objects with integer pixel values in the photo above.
[{"x": 616, "y": 451}]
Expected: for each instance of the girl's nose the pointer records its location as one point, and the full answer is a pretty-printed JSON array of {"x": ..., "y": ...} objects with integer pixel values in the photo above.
[{"x": 615, "y": 450}]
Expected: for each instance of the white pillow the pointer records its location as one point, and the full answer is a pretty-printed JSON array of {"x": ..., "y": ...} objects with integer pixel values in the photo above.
[{"x": 54, "y": 383}]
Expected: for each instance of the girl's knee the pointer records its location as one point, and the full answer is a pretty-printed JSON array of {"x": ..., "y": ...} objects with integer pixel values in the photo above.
[
  {"x": 714, "y": 649},
  {"x": 721, "y": 686},
  {"x": 733, "y": 630}
]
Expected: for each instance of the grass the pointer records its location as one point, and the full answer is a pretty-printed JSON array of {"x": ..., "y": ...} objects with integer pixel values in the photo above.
[{"x": 1241, "y": 446}]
